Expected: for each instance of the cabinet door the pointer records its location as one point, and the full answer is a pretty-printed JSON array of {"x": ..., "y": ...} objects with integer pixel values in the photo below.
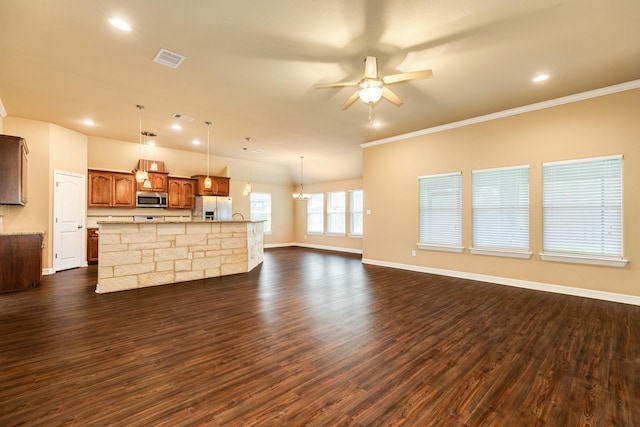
[
  {"x": 221, "y": 186},
  {"x": 100, "y": 185},
  {"x": 174, "y": 199},
  {"x": 124, "y": 190},
  {"x": 92, "y": 245},
  {"x": 20, "y": 262},
  {"x": 188, "y": 194}
]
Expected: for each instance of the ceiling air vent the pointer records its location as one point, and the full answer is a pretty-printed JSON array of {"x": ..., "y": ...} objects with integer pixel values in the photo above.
[
  {"x": 168, "y": 58},
  {"x": 183, "y": 117}
]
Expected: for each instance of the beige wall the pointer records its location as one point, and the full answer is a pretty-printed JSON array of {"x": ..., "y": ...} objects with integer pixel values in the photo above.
[
  {"x": 595, "y": 127},
  {"x": 50, "y": 148},
  {"x": 351, "y": 244}
]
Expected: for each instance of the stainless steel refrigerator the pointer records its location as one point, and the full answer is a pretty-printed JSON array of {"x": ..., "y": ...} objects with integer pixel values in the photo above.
[{"x": 213, "y": 208}]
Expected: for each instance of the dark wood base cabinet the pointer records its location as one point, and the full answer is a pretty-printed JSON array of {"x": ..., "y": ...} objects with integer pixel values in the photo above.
[{"x": 20, "y": 261}]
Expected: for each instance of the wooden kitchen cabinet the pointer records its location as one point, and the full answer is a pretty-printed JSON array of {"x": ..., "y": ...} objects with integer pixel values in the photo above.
[
  {"x": 20, "y": 261},
  {"x": 219, "y": 186},
  {"x": 181, "y": 193},
  {"x": 111, "y": 189},
  {"x": 92, "y": 245},
  {"x": 158, "y": 182}
]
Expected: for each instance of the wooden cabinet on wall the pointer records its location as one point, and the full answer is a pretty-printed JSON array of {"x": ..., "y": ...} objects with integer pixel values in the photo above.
[
  {"x": 158, "y": 182},
  {"x": 20, "y": 261},
  {"x": 181, "y": 193},
  {"x": 92, "y": 245},
  {"x": 13, "y": 170},
  {"x": 111, "y": 189},
  {"x": 219, "y": 186}
]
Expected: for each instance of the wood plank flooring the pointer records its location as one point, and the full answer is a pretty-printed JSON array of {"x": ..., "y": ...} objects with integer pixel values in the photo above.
[{"x": 315, "y": 338}]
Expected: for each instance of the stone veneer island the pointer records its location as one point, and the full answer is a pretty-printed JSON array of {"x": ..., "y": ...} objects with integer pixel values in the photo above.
[{"x": 135, "y": 255}]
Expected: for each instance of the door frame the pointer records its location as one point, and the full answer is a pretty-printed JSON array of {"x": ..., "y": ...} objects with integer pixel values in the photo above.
[{"x": 83, "y": 210}]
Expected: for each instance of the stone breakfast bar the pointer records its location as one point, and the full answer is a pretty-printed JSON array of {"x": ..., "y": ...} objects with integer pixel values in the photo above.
[{"x": 135, "y": 255}]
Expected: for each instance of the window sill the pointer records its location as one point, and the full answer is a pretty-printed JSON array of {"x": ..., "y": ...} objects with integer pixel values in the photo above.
[
  {"x": 581, "y": 259},
  {"x": 441, "y": 248},
  {"x": 357, "y": 236},
  {"x": 503, "y": 253}
]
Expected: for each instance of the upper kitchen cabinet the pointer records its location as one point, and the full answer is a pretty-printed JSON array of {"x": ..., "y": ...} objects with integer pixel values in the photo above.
[
  {"x": 111, "y": 189},
  {"x": 181, "y": 193},
  {"x": 13, "y": 170},
  {"x": 219, "y": 186},
  {"x": 158, "y": 182}
]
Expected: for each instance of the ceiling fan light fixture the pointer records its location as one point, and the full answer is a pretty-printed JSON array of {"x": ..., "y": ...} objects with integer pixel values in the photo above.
[{"x": 370, "y": 90}]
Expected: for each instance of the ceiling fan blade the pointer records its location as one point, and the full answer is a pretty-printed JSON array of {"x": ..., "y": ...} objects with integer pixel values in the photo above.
[
  {"x": 403, "y": 77},
  {"x": 371, "y": 67},
  {"x": 330, "y": 85},
  {"x": 390, "y": 96},
  {"x": 353, "y": 98}
]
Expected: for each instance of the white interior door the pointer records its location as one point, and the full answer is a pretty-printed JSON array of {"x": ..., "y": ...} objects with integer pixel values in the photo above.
[{"x": 68, "y": 228}]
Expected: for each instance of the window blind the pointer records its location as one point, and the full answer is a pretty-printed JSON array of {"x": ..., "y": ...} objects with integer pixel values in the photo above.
[
  {"x": 582, "y": 207},
  {"x": 440, "y": 200},
  {"x": 501, "y": 208}
]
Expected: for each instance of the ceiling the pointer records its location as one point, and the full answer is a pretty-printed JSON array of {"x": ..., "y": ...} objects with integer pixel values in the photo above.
[{"x": 251, "y": 67}]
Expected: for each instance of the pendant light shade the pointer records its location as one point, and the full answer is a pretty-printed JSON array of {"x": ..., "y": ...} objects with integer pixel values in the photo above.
[
  {"x": 207, "y": 180},
  {"x": 301, "y": 195}
]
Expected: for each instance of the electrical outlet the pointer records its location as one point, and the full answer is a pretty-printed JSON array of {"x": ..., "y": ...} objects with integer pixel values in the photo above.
[
  {"x": 190, "y": 256},
  {"x": 413, "y": 253}
]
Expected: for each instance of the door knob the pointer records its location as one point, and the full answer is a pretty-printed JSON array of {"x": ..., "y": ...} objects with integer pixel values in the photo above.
[{"x": 80, "y": 226}]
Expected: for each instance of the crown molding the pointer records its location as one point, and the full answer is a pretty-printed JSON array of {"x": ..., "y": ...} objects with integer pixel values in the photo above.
[{"x": 609, "y": 90}]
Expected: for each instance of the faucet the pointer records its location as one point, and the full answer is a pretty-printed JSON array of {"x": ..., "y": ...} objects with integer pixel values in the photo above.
[{"x": 238, "y": 213}]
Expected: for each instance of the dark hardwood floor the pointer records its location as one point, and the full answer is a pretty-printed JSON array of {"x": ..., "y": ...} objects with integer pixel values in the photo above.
[{"x": 315, "y": 338}]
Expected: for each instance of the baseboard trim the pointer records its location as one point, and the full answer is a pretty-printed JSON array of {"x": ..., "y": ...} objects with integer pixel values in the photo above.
[
  {"x": 526, "y": 284},
  {"x": 48, "y": 271}
]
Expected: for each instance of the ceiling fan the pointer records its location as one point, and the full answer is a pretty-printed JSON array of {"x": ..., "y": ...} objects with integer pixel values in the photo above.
[{"x": 372, "y": 88}]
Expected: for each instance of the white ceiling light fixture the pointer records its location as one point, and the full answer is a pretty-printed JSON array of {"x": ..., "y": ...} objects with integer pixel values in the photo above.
[
  {"x": 247, "y": 187},
  {"x": 540, "y": 78},
  {"x": 120, "y": 24},
  {"x": 372, "y": 88},
  {"x": 207, "y": 180},
  {"x": 301, "y": 195}
]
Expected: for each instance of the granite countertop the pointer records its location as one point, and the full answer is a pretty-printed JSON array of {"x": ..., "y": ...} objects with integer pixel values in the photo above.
[
  {"x": 195, "y": 221},
  {"x": 19, "y": 232}
]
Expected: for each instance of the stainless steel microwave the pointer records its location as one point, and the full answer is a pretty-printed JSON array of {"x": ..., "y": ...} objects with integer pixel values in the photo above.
[{"x": 151, "y": 200}]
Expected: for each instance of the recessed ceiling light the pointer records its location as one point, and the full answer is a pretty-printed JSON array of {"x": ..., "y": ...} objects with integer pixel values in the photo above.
[
  {"x": 120, "y": 24},
  {"x": 540, "y": 78},
  {"x": 176, "y": 127},
  {"x": 196, "y": 142},
  {"x": 152, "y": 143},
  {"x": 88, "y": 122},
  {"x": 376, "y": 124}
]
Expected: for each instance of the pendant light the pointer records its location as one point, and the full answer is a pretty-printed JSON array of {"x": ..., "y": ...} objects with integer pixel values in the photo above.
[
  {"x": 141, "y": 175},
  {"x": 301, "y": 195},
  {"x": 247, "y": 187},
  {"x": 146, "y": 183},
  {"x": 207, "y": 180}
]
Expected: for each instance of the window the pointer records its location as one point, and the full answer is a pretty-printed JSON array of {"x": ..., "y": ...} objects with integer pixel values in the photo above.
[
  {"x": 336, "y": 212},
  {"x": 501, "y": 211},
  {"x": 261, "y": 209},
  {"x": 582, "y": 211},
  {"x": 441, "y": 212},
  {"x": 315, "y": 213},
  {"x": 356, "y": 206}
]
